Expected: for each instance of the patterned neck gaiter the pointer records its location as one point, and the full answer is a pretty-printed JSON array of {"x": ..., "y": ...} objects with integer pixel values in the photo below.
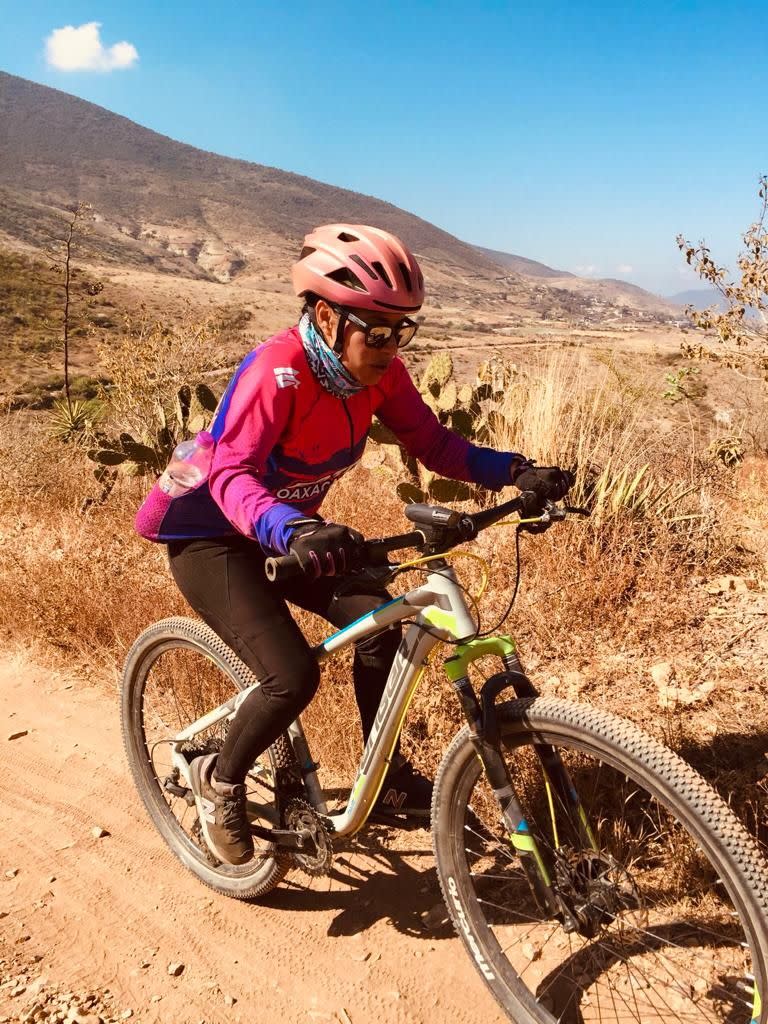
[{"x": 325, "y": 364}]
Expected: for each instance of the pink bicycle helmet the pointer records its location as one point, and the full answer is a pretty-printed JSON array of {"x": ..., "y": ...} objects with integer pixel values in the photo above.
[{"x": 359, "y": 266}]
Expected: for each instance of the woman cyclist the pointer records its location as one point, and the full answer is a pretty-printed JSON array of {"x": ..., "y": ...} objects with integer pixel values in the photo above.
[{"x": 294, "y": 418}]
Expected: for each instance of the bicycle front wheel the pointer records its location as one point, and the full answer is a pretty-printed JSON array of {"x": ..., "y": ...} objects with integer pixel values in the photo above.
[
  {"x": 177, "y": 671},
  {"x": 669, "y": 891}
]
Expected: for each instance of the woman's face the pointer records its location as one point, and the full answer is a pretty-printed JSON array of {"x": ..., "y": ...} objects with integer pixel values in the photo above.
[{"x": 367, "y": 365}]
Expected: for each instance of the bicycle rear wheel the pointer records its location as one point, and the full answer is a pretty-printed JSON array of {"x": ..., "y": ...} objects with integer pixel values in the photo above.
[
  {"x": 176, "y": 671},
  {"x": 669, "y": 889}
]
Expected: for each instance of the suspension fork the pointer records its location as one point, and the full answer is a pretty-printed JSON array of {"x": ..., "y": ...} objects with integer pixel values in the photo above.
[
  {"x": 556, "y": 775},
  {"x": 486, "y": 739}
]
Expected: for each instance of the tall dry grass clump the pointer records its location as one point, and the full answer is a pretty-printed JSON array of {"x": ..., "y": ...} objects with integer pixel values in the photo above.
[
  {"x": 75, "y": 580},
  {"x": 602, "y": 598}
]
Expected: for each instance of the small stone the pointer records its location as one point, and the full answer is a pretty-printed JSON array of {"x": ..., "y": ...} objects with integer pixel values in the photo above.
[
  {"x": 531, "y": 952},
  {"x": 156, "y": 999},
  {"x": 126, "y": 1014},
  {"x": 672, "y": 696},
  {"x": 229, "y": 1000},
  {"x": 175, "y": 970},
  {"x": 11, "y": 873},
  {"x": 51, "y": 879},
  {"x": 661, "y": 673},
  {"x": 18, "y": 735},
  {"x": 98, "y": 832}
]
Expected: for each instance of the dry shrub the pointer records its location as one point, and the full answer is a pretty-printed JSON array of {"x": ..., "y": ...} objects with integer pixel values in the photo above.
[
  {"x": 602, "y": 598},
  {"x": 80, "y": 584},
  {"x": 147, "y": 367}
]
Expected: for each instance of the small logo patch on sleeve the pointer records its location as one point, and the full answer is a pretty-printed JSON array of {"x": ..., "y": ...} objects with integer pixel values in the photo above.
[{"x": 286, "y": 377}]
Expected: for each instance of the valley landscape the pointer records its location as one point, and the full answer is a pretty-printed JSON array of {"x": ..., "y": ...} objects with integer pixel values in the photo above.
[{"x": 654, "y": 608}]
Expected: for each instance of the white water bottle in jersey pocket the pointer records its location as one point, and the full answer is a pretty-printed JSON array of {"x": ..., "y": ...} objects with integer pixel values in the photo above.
[{"x": 189, "y": 466}]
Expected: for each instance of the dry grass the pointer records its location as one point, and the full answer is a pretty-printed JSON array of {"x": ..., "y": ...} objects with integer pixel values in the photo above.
[{"x": 601, "y": 599}]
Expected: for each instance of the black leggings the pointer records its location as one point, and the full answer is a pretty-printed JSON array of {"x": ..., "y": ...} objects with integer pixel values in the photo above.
[{"x": 223, "y": 579}]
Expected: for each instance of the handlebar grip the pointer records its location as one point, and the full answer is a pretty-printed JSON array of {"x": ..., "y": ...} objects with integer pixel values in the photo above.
[{"x": 283, "y": 567}]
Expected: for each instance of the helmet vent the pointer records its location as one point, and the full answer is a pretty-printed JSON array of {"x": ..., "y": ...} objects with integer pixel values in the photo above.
[
  {"x": 361, "y": 263},
  {"x": 307, "y": 251},
  {"x": 345, "y": 236},
  {"x": 347, "y": 278},
  {"x": 382, "y": 273},
  {"x": 406, "y": 276}
]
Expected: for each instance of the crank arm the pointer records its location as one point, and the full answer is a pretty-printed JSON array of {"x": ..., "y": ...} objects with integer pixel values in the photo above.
[{"x": 286, "y": 838}]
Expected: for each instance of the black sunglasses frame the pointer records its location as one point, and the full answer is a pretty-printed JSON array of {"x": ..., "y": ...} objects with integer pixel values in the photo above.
[{"x": 367, "y": 328}]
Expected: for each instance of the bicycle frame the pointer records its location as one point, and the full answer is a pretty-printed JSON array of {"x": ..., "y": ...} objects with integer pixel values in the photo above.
[
  {"x": 439, "y": 606},
  {"x": 439, "y": 611}
]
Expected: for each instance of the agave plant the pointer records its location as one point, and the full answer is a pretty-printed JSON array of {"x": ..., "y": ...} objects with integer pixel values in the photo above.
[{"x": 70, "y": 420}]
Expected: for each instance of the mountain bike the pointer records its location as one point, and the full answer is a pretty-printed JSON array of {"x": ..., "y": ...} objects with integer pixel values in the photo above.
[{"x": 587, "y": 869}]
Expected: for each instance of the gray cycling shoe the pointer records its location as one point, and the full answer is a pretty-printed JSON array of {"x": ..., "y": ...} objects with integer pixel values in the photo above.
[
  {"x": 405, "y": 792},
  {"x": 221, "y": 810}
]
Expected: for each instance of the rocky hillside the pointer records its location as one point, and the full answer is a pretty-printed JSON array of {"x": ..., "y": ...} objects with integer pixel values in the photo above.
[
  {"x": 161, "y": 206},
  {"x": 158, "y": 200}
]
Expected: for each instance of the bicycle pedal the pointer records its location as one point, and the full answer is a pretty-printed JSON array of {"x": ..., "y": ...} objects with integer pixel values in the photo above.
[{"x": 180, "y": 791}]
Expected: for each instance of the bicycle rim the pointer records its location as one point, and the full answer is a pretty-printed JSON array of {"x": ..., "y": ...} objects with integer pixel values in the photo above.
[
  {"x": 669, "y": 889},
  {"x": 173, "y": 677}
]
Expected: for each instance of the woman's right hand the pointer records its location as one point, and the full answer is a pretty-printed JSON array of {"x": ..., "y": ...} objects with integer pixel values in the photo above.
[
  {"x": 549, "y": 483},
  {"x": 325, "y": 549}
]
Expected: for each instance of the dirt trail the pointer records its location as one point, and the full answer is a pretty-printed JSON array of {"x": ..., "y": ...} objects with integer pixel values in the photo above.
[{"x": 110, "y": 914}]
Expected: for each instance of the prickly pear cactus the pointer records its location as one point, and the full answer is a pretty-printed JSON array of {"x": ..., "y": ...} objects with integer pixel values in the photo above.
[
  {"x": 472, "y": 410},
  {"x": 191, "y": 412}
]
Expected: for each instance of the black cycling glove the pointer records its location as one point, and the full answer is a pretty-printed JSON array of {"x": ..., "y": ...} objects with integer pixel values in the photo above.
[
  {"x": 324, "y": 549},
  {"x": 546, "y": 483}
]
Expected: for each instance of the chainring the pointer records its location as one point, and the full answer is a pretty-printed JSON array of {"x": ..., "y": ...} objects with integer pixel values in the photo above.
[{"x": 300, "y": 815}]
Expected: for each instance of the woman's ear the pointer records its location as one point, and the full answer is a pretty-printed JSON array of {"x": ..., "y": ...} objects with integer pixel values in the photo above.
[{"x": 326, "y": 318}]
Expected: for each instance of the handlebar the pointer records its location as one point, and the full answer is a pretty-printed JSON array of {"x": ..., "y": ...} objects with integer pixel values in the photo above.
[
  {"x": 441, "y": 529},
  {"x": 372, "y": 552}
]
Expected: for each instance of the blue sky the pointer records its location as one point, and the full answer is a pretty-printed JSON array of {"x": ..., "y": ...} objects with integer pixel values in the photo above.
[{"x": 584, "y": 135}]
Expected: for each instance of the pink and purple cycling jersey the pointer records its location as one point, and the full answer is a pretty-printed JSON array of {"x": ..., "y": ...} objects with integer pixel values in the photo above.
[{"x": 282, "y": 440}]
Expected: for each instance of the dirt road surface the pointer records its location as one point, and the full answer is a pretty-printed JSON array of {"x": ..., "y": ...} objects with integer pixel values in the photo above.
[{"x": 98, "y": 920}]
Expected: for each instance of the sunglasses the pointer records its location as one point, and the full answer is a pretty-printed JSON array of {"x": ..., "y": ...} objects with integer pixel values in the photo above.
[{"x": 379, "y": 335}]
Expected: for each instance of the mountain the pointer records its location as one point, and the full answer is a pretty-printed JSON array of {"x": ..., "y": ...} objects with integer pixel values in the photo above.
[
  {"x": 699, "y": 298},
  {"x": 165, "y": 202},
  {"x": 163, "y": 206},
  {"x": 608, "y": 290},
  {"x": 521, "y": 265}
]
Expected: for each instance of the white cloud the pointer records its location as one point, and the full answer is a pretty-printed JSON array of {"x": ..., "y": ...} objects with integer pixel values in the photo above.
[
  {"x": 624, "y": 268},
  {"x": 81, "y": 49},
  {"x": 588, "y": 270}
]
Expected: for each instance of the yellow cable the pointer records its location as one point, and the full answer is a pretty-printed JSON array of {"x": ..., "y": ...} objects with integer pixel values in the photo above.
[
  {"x": 453, "y": 554},
  {"x": 468, "y": 554}
]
